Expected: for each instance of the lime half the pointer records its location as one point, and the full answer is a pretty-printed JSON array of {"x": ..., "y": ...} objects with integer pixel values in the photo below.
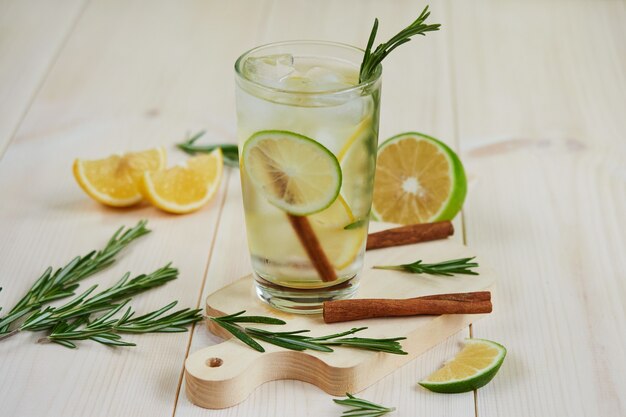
[
  {"x": 418, "y": 180},
  {"x": 294, "y": 172},
  {"x": 472, "y": 368}
]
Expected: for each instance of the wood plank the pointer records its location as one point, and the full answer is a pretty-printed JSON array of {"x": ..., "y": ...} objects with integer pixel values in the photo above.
[
  {"x": 540, "y": 106},
  {"x": 126, "y": 79},
  {"x": 32, "y": 33},
  {"x": 427, "y": 91}
]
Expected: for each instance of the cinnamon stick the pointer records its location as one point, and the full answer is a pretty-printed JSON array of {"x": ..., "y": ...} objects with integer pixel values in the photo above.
[
  {"x": 312, "y": 246},
  {"x": 457, "y": 303},
  {"x": 406, "y": 235}
]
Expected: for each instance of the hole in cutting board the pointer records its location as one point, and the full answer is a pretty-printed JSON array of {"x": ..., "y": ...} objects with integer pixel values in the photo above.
[{"x": 214, "y": 362}]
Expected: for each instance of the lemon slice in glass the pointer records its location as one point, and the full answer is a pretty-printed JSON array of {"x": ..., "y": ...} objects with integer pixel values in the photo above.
[
  {"x": 418, "y": 180},
  {"x": 295, "y": 173},
  {"x": 357, "y": 158},
  {"x": 114, "y": 181},
  {"x": 340, "y": 245},
  {"x": 472, "y": 368}
]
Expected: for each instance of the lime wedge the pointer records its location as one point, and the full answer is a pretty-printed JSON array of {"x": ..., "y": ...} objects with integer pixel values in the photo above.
[
  {"x": 472, "y": 368},
  {"x": 294, "y": 172},
  {"x": 418, "y": 180}
]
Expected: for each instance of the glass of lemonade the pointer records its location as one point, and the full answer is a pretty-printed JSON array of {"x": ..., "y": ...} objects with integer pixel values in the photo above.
[{"x": 308, "y": 133}]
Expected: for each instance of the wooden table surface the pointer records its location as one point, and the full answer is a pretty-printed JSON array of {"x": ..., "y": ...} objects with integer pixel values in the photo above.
[{"x": 532, "y": 95}]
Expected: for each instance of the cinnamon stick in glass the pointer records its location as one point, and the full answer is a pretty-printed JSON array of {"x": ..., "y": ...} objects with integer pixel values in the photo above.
[
  {"x": 456, "y": 303},
  {"x": 313, "y": 248}
]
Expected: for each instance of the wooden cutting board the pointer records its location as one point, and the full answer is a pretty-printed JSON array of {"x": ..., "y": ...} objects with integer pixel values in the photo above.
[{"x": 225, "y": 374}]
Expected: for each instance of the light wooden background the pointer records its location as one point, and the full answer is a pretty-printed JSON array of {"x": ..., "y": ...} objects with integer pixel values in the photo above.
[{"x": 532, "y": 94}]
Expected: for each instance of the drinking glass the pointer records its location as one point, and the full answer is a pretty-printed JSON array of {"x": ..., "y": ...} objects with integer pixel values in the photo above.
[{"x": 308, "y": 132}]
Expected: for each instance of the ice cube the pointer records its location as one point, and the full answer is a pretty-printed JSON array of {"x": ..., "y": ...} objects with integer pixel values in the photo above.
[
  {"x": 270, "y": 69},
  {"x": 326, "y": 79},
  {"x": 322, "y": 76}
]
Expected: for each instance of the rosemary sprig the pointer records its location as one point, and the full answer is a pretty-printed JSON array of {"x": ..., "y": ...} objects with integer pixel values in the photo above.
[
  {"x": 362, "y": 408},
  {"x": 446, "y": 268},
  {"x": 82, "y": 306},
  {"x": 53, "y": 285},
  {"x": 297, "y": 340},
  {"x": 371, "y": 60},
  {"x": 106, "y": 329},
  {"x": 230, "y": 151}
]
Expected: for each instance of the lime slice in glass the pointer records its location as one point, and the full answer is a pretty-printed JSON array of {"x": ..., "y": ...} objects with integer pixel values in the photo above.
[
  {"x": 418, "y": 180},
  {"x": 295, "y": 173},
  {"x": 472, "y": 368}
]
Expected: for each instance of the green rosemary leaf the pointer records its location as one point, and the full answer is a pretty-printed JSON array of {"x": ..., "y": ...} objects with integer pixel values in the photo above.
[
  {"x": 362, "y": 408},
  {"x": 293, "y": 333},
  {"x": 256, "y": 319},
  {"x": 107, "y": 329},
  {"x": 369, "y": 344},
  {"x": 280, "y": 342},
  {"x": 287, "y": 340},
  {"x": 346, "y": 333},
  {"x": 111, "y": 341},
  {"x": 53, "y": 285},
  {"x": 84, "y": 305},
  {"x": 447, "y": 268},
  {"x": 229, "y": 151},
  {"x": 239, "y": 333},
  {"x": 230, "y": 316},
  {"x": 371, "y": 59},
  {"x": 297, "y": 340},
  {"x": 65, "y": 343}
]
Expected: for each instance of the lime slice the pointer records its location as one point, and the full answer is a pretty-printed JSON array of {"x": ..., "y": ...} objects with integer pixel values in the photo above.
[
  {"x": 294, "y": 172},
  {"x": 418, "y": 180},
  {"x": 471, "y": 369}
]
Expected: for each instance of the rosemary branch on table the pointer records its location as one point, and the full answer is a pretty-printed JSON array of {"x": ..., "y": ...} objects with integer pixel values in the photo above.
[
  {"x": 229, "y": 151},
  {"x": 107, "y": 328},
  {"x": 53, "y": 285},
  {"x": 82, "y": 306},
  {"x": 362, "y": 408},
  {"x": 371, "y": 60},
  {"x": 297, "y": 340},
  {"x": 446, "y": 268}
]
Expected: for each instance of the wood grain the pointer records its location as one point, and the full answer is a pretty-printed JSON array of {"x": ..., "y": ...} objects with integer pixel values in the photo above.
[
  {"x": 32, "y": 32},
  {"x": 540, "y": 124}
]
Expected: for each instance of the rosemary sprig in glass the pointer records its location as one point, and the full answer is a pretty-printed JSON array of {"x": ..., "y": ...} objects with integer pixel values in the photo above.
[
  {"x": 53, "y": 285},
  {"x": 82, "y": 306},
  {"x": 446, "y": 268},
  {"x": 362, "y": 408},
  {"x": 297, "y": 340},
  {"x": 230, "y": 151},
  {"x": 107, "y": 329},
  {"x": 372, "y": 59}
]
